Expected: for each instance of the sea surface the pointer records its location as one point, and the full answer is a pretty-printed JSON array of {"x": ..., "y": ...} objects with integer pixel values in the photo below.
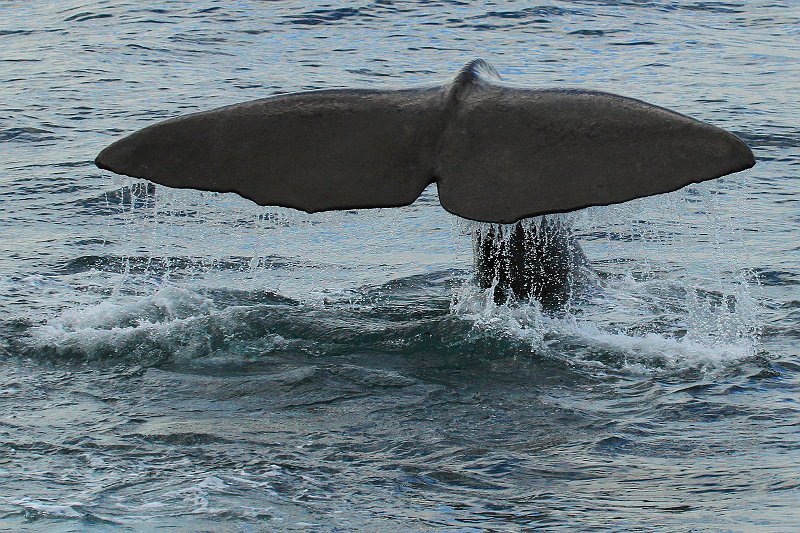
[{"x": 186, "y": 361}]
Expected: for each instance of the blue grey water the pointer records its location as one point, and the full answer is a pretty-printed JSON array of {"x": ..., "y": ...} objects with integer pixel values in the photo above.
[{"x": 191, "y": 361}]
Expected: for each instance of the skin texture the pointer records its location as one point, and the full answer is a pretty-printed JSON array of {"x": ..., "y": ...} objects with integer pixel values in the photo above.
[
  {"x": 497, "y": 153},
  {"x": 314, "y": 151}
]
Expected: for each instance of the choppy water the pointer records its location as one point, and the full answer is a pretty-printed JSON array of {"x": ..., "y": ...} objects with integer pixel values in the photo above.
[{"x": 188, "y": 360}]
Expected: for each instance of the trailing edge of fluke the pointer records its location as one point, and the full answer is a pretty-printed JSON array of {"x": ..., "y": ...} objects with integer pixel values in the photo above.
[{"x": 497, "y": 153}]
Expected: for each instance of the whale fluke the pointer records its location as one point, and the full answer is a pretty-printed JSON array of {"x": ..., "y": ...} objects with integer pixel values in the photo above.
[
  {"x": 315, "y": 151},
  {"x": 498, "y": 153}
]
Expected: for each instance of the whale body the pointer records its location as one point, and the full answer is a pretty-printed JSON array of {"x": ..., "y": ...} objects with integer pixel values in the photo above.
[{"x": 497, "y": 152}]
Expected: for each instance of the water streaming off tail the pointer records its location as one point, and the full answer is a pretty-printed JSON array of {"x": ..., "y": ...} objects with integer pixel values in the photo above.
[
  {"x": 666, "y": 284},
  {"x": 185, "y": 272}
]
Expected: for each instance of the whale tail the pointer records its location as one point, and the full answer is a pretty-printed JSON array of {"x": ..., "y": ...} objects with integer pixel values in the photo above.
[{"x": 498, "y": 153}]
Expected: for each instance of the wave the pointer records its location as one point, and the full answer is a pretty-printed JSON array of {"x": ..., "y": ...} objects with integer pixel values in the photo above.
[{"x": 441, "y": 316}]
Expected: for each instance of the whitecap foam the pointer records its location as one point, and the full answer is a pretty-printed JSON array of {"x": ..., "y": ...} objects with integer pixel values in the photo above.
[
  {"x": 717, "y": 337},
  {"x": 165, "y": 304},
  {"x": 174, "y": 323},
  {"x": 651, "y": 351},
  {"x": 122, "y": 323},
  {"x": 670, "y": 287},
  {"x": 41, "y": 508},
  {"x": 478, "y": 306}
]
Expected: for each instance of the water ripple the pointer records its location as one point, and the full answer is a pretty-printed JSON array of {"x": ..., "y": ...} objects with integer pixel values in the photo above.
[{"x": 192, "y": 361}]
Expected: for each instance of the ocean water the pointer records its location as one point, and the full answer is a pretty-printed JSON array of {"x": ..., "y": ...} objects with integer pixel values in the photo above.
[{"x": 187, "y": 361}]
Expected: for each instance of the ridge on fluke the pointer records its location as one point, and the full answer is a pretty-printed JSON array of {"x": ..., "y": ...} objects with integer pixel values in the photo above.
[{"x": 498, "y": 153}]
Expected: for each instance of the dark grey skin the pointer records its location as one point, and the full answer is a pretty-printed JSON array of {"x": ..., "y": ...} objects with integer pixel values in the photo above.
[
  {"x": 498, "y": 153},
  {"x": 529, "y": 260}
]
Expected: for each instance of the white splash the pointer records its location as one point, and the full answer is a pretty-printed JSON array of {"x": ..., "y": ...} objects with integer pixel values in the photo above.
[{"x": 672, "y": 287}]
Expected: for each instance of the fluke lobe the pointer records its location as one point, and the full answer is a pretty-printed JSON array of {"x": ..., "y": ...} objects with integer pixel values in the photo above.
[{"x": 497, "y": 153}]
